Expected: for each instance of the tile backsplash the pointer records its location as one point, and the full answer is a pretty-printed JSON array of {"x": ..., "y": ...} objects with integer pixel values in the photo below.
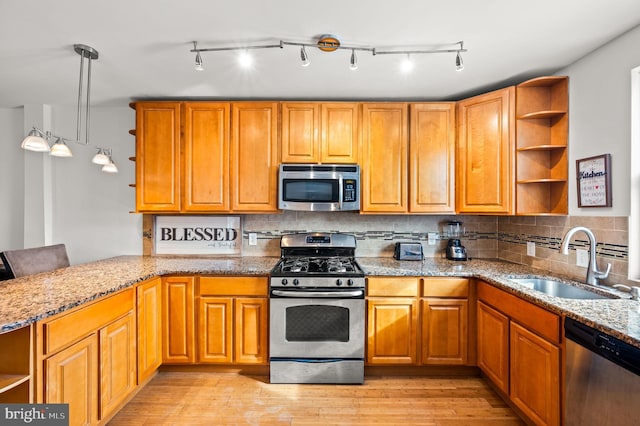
[{"x": 502, "y": 237}]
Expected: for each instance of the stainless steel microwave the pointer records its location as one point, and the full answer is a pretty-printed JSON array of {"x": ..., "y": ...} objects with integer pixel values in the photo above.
[{"x": 319, "y": 187}]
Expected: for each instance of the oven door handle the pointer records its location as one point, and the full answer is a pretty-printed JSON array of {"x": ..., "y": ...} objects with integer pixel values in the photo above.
[{"x": 318, "y": 294}]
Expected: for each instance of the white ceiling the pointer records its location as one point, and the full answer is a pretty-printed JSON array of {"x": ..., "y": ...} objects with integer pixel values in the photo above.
[{"x": 144, "y": 46}]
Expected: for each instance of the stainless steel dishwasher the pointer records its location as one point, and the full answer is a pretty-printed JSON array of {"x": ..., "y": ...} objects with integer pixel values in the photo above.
[{"x": 602, "y": 378}]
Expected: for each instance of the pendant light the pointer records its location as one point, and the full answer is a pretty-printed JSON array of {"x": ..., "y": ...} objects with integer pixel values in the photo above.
[
  {"x": 60, "y": 149},
  {"x": 100, "y": 158},
  {"x": 35, "y": 141},
  {"x": 110, "y": 167},
  {"x": 38, "y": 140}
]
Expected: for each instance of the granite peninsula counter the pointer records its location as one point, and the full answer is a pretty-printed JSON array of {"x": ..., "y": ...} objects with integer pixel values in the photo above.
[{"x": 29, "y": 299}]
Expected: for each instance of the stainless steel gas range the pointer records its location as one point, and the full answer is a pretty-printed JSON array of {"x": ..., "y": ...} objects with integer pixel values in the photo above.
[{"x": 317, "y": 311}]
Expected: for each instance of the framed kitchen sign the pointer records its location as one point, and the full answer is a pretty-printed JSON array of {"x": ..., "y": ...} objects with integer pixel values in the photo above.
[
  {"x": 594, "y": 181},
  {"x": 216, "y": 235}
]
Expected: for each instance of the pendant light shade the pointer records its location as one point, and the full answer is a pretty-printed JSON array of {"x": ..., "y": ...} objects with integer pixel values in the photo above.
[
  {"x": 459, "y": 63},
  {"x": 100, "y": 158},
  {"x": 35, "y": 142},
  {"x": 60, "y": 149},
  {"x": 110, "y": 167}
]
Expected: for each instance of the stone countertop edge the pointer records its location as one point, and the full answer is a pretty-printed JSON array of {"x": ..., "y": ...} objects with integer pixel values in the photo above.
[{"x": 29, "y": 299}]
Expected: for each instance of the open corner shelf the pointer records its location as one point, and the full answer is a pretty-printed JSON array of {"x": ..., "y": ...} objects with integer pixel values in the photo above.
[{"x": 542, "y": 106}]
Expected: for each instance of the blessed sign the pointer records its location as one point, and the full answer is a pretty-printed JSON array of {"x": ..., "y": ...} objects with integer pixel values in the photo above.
[{"x": 220, "y": 235}]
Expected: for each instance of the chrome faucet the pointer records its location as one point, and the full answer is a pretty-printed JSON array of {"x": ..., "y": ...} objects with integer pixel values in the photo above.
[{"x": 593, "y": 274}]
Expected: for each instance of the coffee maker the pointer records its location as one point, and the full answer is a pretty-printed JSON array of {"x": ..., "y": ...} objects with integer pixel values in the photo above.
[{"x": 455, "y": 250}]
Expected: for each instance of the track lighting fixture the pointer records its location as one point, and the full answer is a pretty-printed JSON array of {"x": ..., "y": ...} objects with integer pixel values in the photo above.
[
  {"x": 331, "y": 43},
  {"x": 39, "y": 141},
  {"x": 353, "y": 63},
  {"x": 304, "y": 57}
]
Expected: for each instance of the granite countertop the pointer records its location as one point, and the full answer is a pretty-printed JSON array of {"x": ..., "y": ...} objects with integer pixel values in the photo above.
[{"x": 29, "y": 299}]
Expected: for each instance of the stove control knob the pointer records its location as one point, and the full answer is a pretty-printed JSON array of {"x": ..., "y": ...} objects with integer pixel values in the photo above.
[
  {"x": 349, "y": 282},
  {"x": 295, "y": 281},
  {"x": 338, "y": 282},
  {"x": 284, "y": 281}
]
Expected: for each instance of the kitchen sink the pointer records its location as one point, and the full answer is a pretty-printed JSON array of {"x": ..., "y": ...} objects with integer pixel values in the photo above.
[{"x": 556, "y": 288}]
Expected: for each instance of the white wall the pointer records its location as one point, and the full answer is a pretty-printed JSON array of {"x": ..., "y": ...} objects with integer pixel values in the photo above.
[
  {"x": 91, "y": 208},
  {"x": 88, "y": 210},
  {"x": 11, "y": 179},
  {"x": 600, "y": 117}
]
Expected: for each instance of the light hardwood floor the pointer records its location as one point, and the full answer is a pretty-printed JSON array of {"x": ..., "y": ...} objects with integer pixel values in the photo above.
[{"x": 196, "y": 398}]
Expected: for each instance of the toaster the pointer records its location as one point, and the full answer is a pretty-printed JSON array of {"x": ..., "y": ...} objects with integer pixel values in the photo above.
[{"x": 408, "y": 251}]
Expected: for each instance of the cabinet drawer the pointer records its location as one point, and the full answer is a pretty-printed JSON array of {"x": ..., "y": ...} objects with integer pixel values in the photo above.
[
  {"x": 233, "y": 286},
  {"x": 535, "y": 318},
  {"x": 445, "y": 287},
  {"x": 393, "y": 286},
  {"x": 62, "y": 331}
]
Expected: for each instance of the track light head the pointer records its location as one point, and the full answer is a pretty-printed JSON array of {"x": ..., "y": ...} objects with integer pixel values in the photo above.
[
  {"x": 60, "y": 149},
  {"x": 353, "y": 62},
  {"x": 407, "y": 65},
  {"x": 199, "y": 66},
  {"x": 459, "y": 63},
  {"x": 304, "y": 57}
]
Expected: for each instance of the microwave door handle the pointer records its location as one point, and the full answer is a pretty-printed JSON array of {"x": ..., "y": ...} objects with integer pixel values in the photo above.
[{"x": 340, "y": 189}]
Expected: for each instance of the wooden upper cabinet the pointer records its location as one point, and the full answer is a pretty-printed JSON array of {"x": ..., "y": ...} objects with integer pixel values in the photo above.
[
  {"x": 485, "y": 153},
  {"x": 384, "y": 158},
  {"x": 254, "y": 157},
  {"x": 158, "y": 156},
  {"x": 300, "y": 125},
  {"x": 340, "y": 135},
  {"x": 320, "y": 132},
  {"x": 432, "y": 158},
  {"x": 206, "y": 157}
]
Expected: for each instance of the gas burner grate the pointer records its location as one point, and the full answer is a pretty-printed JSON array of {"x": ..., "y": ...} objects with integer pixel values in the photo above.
[{"x": 318, "y": 265}]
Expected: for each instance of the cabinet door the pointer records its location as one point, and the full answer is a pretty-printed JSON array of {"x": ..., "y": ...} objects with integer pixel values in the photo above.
[
  {"x": 149, "y": 326},
  {"x": 384, "y": 158},
  {"x": 71, "y": 377},
  {"x": 493, "y": 345},
  {"x": 215, "y": 330},
  {"x": 251, "y": 324},
  {"x": 535, "y": 375},
  {"x": 485, "y": 153},
  {"x": 340, "y": 135},
  {"x": 432, "y": 158},
  {"x": 254, "y": 157},
  {"x": 117, "y": 363},
  {"x": 206, "y": 157},
  {"x": 392, "y": 331},
  {"x": 178, "y": 320},
  {"x": 444, "y": 331},
  {"x": 158, "y": 157},
  {"x": 300, "y": 124}
]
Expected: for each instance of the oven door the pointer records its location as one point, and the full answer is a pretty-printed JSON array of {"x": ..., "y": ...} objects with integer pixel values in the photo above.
[{"x": 316, "y": 327}]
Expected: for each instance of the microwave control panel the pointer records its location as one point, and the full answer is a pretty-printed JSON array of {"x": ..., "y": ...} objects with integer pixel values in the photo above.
[{"x": 349, "y": 191}]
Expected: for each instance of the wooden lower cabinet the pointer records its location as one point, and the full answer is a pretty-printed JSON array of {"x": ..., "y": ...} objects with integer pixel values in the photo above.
[
  {"x": 444, "y": 331},
  {"x": 71, "y": 376},
  {"x": 519, "y": 349},
  {"x": 392, "y": 331},
  {"x": 178, "y": 328},
  {"x": 149, "y": 327},
  {"x": 117, "y": 363},
  {"x": 233, "y": 320},
  {"x": 417, "y": 321},
  {"x": 493, "y": 346},
  {"x": 535, "y": 374}
]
